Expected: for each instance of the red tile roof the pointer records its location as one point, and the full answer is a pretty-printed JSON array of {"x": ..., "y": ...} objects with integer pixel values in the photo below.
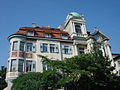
[{"x": 41, "y": 31}]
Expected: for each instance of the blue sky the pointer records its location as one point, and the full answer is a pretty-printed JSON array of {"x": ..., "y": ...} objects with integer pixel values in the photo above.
[{"x": 104, "y": 14}]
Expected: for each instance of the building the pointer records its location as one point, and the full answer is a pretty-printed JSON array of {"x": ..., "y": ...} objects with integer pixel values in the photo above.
[{"x": 55, "y": 43}]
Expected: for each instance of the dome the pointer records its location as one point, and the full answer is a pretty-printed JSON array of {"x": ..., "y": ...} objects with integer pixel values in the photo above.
[{"x": 74, "y": 14}]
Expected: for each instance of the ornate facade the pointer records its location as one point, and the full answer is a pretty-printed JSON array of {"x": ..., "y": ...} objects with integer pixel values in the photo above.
[{"x": 55, "y": 43}]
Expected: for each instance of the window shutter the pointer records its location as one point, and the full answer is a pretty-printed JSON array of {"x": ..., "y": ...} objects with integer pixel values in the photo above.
[
  {"x": 33, "y": 66},
  {"x": 33, "y": 47}
]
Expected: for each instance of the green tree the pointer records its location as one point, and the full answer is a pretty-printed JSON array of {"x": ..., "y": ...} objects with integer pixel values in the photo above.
[
  {"x": 84, "y": 72},
  {"x": 28, "y": 81},
  {"x": 3, "y": 83}
]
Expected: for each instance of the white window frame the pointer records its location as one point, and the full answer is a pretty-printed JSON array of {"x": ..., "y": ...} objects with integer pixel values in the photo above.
[
  {"x": 54, "y": 48},
  {"x": 66, "y": 49},
  {"x": 13, "y": 67},
  {"x": 15, "y": 46},
  {"x": 43, "y": 47}
]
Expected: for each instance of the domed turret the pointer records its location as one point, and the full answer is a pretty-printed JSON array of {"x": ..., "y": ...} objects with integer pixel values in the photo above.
[{"x": 73, "y": 14}]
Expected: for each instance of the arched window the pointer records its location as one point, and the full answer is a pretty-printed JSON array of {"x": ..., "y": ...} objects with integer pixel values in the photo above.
[{"x": 77, "y": 28}]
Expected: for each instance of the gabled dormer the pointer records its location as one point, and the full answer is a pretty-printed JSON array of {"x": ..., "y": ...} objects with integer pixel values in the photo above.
[
  {"x": 75, "y": 25},
  {"x": 98, "y": 36}
]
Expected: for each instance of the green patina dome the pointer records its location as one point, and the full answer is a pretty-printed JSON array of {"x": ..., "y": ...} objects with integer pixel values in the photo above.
[{"x": 73, "y": 14}]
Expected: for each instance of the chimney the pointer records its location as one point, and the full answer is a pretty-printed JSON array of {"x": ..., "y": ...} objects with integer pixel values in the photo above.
[{"x": 33, "y": 25}]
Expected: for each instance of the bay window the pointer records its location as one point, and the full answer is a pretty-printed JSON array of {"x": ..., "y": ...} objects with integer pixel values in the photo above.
[
  {"x": 15, "y": 46},
  {"x": 22, "y": 45},
  {"x": 13, "y": 65},
  {"x": 21, "y": 65}
]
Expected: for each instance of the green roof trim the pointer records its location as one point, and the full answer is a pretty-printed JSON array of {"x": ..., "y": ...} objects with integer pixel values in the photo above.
[{"x": 16, "y": 36}]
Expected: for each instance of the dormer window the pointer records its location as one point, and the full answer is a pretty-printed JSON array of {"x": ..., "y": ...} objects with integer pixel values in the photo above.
[
  {"x": 30, "y": 33},
  {"x": 78, "y": 29},
  {"x": 63, "y": 36},
  {"x": 48, "y": 35}
]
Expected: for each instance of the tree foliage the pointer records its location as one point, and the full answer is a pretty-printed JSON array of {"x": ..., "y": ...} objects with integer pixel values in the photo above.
[
  {"x": 84, "y": 72},
  {"x": 3, "y": 84}
]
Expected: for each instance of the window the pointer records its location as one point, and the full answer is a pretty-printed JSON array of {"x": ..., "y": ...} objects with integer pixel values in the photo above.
[
  {"x": 10, "y": 47},
  {"x": 33, "y": 66},
  {"x": 66, "y": 49},
  {"x": 20, "y": 65},
  {"x": 22, "y": 46},
  {"x": 64, "y": 36},
  {"x": 13, "y": 65},
  {"x": 30, "y": 33},
  {"x": 30, "y": 66},
  {"x": 43, "y": 47},
  {"x": 81, "y": 50},
  {"x": 54, "y": 48},
  {"x": 48, "y": 35},
  {"x": 30, "y": 47},
  {"x": 46, "y": 67},
  {"x": 77, "y": 28},
  {"x": 15, "y": 46}
]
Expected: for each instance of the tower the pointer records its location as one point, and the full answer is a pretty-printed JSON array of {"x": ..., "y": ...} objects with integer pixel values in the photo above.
[{"x": 75, "y": 25}]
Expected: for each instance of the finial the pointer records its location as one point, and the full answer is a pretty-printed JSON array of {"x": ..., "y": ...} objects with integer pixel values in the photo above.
[
  {"x": 95, "y": 29},
  {"x": 60, "y": 27}
]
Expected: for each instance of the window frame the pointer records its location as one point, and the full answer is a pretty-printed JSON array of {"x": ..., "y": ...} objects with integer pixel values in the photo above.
[
  {"x": 66, "y": 49},
  {"x": 81, "y": 50},
  {"x": 21, "y": 65},
  {"x": 15, "y": 46},
  {"x": 13, "y": 66},
  {"x": 78, "y": 28},
  {"x": 54, "y": 48},
  {"x": 43, "y": 47},
  {"x": 22, "y": 46}
]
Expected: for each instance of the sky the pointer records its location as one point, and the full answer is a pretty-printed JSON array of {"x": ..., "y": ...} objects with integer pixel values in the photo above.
[{"x": 103, "y": 14}]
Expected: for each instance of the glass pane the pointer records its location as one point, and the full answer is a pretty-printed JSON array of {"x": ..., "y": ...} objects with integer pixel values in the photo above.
[
  {"x": 28, "y": 66},
  {"x": 20, "y": 65},
  {"x": 13, "y": 65},
  {"x": 43, "y": 47},
  {"x": 81, "y": 50},
  {"x": 29, "y": 47},
  {"x": 15, "y": 46},
  {"x": 77, "y": 28},
  {"x": 22, "y": 46},
  {"x": 52, "y": 48}
]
